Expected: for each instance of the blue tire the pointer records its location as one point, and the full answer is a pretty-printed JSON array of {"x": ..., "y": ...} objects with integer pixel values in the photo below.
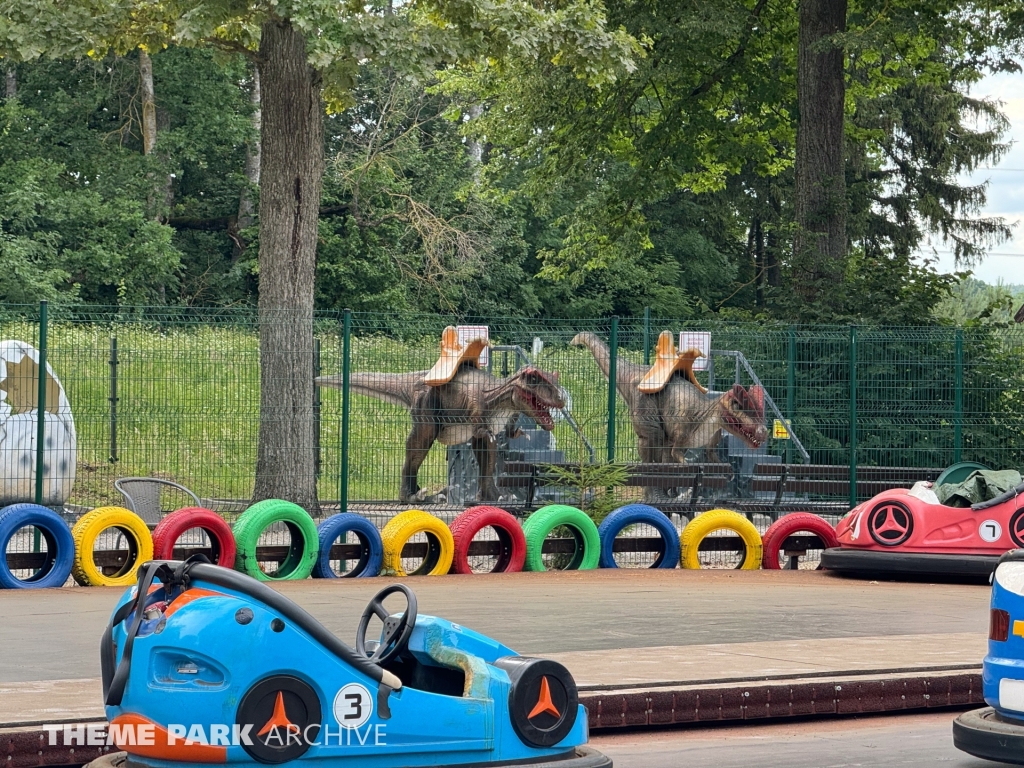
[
  {"x": 631, "y": 514},
  {"x": 331, "y": 529},
  {"x": 60, "y": 546}
]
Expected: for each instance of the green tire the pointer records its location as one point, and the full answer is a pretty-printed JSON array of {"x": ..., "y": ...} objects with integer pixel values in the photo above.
[
  {"x": 584, "y": 530},
  {"x": 302, "y": 553}
]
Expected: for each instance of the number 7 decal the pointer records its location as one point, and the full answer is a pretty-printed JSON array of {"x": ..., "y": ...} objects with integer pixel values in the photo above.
[{"x": 990, "y": 531}]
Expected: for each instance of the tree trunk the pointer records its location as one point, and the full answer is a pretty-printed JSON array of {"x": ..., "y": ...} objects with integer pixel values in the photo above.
[
  {"x": 749, "y": 257},
  {"x": 820, "y": 242},
  {"x": 758, "y": 263},
  {"x": 147, "y": 94},
  {"x": 11, "y": 84},
  {"x": 246, "y": 203},
  {"x": 148, "y": 103},
  {"x": 474, "y": 146},
  {"x": 772, "y": 262},
  {"x": 292, "y": 148}
]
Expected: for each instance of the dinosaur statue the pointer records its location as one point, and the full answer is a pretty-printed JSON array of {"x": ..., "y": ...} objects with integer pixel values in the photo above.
[
  {"x": 682, "y": 414},
  {"x": 473, "y": 406}
]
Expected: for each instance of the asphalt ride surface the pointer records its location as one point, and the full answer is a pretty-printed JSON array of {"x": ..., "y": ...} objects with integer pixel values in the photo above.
[
  {"x": 54, "y": 634},
  {"x": 906, "y": 741}
]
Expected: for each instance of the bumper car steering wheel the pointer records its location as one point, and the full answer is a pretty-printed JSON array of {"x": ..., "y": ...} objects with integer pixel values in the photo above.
[{"x": 398, "y": 627}]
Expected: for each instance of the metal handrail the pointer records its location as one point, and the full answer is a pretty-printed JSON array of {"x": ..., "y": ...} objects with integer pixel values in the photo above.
[
  {"x": 741, "y": 359},
  {"x": 524, "y": 359}
]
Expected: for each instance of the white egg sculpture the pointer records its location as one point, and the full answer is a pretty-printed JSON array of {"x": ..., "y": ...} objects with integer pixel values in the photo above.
[{"x": 19, "y": 396}]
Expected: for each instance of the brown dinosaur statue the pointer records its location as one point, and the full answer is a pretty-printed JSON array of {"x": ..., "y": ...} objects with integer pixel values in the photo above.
[
  {"x": 473, "y": 406},
  {"x": 681, "y": 415}
]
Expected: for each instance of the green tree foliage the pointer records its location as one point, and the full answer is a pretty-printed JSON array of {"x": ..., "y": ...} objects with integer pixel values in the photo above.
[
  {"x": 68, "y": 232},
  {"x": 404, "y": 225},
  {"x": 603, "y": 189},
  {"x": 972, "y": 302},
  {"x": 710, "y": 113},
  {"x": 110, "y": 239}
]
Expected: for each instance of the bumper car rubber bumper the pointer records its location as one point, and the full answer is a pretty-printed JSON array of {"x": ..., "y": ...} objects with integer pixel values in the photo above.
[
  {"x": 983, "y": 733},
  {"x": 848, "y": 560},
  {"x": 579, "y": 757}
]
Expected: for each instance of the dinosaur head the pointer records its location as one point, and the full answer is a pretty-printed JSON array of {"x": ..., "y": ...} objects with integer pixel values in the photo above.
[
  {"x": 742, "y": 411},
  {"x": 535, "y": 393}
]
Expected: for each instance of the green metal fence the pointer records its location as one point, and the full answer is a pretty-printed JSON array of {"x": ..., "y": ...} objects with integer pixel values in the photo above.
[{"x": 174, "y": 393}]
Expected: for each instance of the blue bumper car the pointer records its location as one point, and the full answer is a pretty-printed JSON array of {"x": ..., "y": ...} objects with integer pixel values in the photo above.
[
  {"x": 203, "y": 665},
  {"x": 996, "y": 732}
]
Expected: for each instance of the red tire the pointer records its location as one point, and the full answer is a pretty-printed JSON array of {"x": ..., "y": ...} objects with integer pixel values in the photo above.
[
  {"x": 510, "y": 535},
  {"x": 785, "y": 527},
  {"x": 167, "y": 533}
]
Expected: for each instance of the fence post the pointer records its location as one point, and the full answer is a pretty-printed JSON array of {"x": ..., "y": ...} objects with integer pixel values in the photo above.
[
  {"x": 41, "y": 403},
  {"x": 790, "y": 388},
  {"x": 613, "y": 354},
  {"x": 958, "y": 404},
  {"x": 346, "y": 357},
  {"x": 853, "y": 416},
  {"x": 647, "y": 335},
  {"x": 316, "y": 407},
  {"x": 113, "y": 398}
]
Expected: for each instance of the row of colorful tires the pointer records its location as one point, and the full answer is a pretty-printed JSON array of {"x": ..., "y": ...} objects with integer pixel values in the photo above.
[{"x": 70, "y": 551}]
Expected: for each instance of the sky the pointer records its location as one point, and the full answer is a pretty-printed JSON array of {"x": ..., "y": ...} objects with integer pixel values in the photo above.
[{"x": 1006, "y": 186}]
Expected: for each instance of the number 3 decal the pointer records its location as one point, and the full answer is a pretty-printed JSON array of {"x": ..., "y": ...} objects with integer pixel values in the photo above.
[{"x": 353, "y": 706}]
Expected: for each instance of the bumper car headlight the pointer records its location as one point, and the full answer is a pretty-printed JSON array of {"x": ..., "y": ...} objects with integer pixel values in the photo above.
[{"x": 1010, "y": 576}]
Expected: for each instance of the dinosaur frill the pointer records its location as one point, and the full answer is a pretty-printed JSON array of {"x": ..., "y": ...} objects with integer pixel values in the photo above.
[
  {"x": 667, "y": 362},
  {"x": 454, "y": 353}
]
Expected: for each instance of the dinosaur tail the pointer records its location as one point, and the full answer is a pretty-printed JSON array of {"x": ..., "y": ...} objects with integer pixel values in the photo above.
[
  {"x": 627, "y": 373},
  {"x": 396, "y": 388}
]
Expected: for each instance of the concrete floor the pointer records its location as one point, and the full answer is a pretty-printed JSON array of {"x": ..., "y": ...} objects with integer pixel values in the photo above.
[
  {"x": 906, "y": 741},
  {"x": 53, "y": 634}
]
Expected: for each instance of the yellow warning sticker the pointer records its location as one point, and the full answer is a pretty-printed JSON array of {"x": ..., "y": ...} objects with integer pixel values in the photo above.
[
  {"x": 1018, "y": 627},
  {"x": 780, "y": 430}
]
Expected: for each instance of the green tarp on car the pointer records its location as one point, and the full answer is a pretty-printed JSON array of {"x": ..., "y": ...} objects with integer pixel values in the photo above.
[{"x": 981, "y": 485}]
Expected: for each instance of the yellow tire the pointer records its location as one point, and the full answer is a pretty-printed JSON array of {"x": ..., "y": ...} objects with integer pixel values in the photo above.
[
  {"x": 401, "y": 528},
  {"x": 90, "y": 526},
  {"x": 716, "y": 520}
]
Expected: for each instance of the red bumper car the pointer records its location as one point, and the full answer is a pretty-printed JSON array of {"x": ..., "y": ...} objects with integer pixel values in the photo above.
[{"x": 903, "y": 531}]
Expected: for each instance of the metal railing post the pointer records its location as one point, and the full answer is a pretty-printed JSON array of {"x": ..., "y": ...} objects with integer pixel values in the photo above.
[
  {"x": 346, "y": 360},
  {"x": 41, "y": 404},
  {"x": 613, "y": 354},
  {"x": 853, "y": 416},
  {"x": 958, "y": 404},
  {"x": 790, "y": 389},
  {"x": 113, "y": 399},
  {"x": 647, "y": 335},
  {"x": 316, "y": 408}
]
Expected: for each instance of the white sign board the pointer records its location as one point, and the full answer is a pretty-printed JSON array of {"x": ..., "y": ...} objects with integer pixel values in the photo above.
[
  {"x": 469, "y": 332},
  {"x": 699, "y": 340}
]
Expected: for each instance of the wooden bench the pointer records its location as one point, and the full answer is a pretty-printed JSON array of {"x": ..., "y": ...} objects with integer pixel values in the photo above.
[
  {"x": 833, "y": 480},
  {"x": 831, "y": 483},
  {"x": 523, "y": 475}
]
